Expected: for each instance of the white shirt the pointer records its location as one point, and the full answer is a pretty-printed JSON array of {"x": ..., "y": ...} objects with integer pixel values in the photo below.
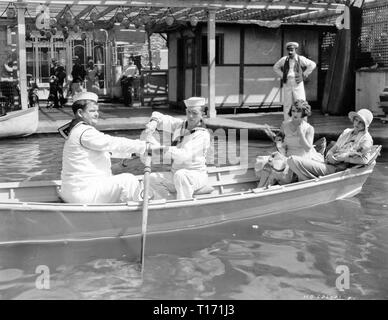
[
  {"x": 304, "y": 62},
  {"x": 130, "y": 71},
  {"x": 191, "y": 152},
  {"x": 87, "y": 153}
]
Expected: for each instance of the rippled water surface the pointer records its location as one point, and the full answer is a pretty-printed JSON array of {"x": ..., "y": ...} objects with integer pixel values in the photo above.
[{"x": 285, "y": 256}]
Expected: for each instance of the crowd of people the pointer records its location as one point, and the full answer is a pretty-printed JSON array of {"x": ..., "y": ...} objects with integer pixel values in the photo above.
[{"x": 86, "y": 80}]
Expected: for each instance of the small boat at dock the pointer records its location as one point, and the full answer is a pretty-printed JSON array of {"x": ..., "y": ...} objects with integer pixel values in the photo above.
[
  {"x": 32, "y": 212},
  {"x": 19, "y": 123}
]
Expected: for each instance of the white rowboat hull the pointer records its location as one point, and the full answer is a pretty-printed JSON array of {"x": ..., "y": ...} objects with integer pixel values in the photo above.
[
  {"x": 31, "y": 222},
  {"x": 19, "y": 123}
]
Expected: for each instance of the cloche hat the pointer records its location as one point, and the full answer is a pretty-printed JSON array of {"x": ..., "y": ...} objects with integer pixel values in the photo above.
[{"x": 364, "y": 114}]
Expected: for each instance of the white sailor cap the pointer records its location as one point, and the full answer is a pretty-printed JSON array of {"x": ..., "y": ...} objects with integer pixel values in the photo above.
[
  {"x": 195, "y": 102},
  {"x": 292, "y": 44},
  {"x": 86, "y": 96}
]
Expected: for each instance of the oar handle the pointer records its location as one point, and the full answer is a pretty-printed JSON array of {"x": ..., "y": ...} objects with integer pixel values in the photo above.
[{"x": 146, "y": 183}]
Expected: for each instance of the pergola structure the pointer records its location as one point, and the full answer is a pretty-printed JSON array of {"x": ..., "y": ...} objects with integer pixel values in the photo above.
[{"x": 162, "y": 16}]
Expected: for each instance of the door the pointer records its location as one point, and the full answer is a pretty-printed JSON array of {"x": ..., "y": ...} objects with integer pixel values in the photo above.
[
  {"x": 99, "y": 58},
  {"x": 180, "y": 71}
]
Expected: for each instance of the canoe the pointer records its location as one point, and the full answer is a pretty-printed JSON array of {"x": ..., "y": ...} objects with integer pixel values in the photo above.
[
  {"x": 19, "y": 123},
  {"x": 31, "y": 212}
]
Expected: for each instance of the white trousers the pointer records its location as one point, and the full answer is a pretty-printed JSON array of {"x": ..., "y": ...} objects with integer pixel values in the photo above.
[
  {"x": 184, "y": 182},
  {"x": 307, "y": 169},
  {"x": 119, "y": 188},
  {"x": 291, "y": 92}
]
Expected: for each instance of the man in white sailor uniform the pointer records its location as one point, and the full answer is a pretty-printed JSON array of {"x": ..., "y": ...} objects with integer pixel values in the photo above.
[
  {"x": 188, "y": 150},
  {"x": 86, "y": 163},
  {"x": 293, "y": 70}
]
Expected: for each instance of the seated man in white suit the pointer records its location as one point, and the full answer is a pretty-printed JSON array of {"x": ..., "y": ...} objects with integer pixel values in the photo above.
[
  {"x": 86, "y": 162},
  {"x": 188, "y": 150}
]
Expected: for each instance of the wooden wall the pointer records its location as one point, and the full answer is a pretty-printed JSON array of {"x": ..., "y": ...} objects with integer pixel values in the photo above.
[{"x": 245, "y": 77}]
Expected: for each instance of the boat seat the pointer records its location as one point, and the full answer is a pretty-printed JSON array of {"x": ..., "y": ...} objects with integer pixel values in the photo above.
[
  {"x": 372, "y": 156},
  {"x": 204, "y": 190},
  {"x": 374, "y": 153},
  {"x": 228, "y": 179}
]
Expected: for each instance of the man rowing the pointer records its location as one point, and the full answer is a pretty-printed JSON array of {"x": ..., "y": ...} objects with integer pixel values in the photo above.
[
  {"x": 86, "y": 163},
  {"x": 188, "y": 150}
]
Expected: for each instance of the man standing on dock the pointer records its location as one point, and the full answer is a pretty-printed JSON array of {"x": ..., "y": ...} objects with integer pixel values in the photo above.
[{"x": 293, "y": 70}]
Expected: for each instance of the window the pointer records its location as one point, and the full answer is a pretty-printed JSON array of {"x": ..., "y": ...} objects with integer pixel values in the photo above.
[
  {"x": 219, "y": 49},
  {"x": 189, "y": 52}
]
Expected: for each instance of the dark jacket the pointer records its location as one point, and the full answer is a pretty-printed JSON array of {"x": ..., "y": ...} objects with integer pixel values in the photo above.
[
  {"x": 298, "y": 69},
  {"x": 78, "y": 73}
]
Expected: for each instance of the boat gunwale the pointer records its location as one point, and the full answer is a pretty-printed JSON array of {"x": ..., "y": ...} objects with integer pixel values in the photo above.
[
  {"x": 18, "y": 113},
  {"x": 171, "y": 204}
]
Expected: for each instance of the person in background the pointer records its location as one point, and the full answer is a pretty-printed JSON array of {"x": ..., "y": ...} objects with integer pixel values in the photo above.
[
  {"x": 293, "y": 70},
  {"x": 92, "y": 84},
  {"x": 190, "y": 145},
  {"x": 130, "y": 71},
  {"x": 78, "y": 73},
  {"x": 61, "y": 78},
  {"x": 352, "y": 147},
  {"x": 86, "y": 162},
  {"x": 7, "y": 87},
  {"x": 33, "y": 98},
  {"x": 53, "y": 66}
]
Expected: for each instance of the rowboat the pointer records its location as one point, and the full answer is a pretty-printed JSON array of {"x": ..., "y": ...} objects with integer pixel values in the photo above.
[
  {"x": 19, "y": 123},
  {"x": 32, "y": 212}
]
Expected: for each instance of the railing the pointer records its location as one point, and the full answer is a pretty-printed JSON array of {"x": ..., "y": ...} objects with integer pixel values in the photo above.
[
  {"x": 9, "y": 96},
  {"x": 153, "y": 87}
]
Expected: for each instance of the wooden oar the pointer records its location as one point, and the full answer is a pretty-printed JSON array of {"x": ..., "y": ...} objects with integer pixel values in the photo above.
[{"x": 146, "y": 182}]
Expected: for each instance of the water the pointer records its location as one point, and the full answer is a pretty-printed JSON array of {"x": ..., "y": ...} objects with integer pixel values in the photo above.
[{"x": 286, "y": 256}]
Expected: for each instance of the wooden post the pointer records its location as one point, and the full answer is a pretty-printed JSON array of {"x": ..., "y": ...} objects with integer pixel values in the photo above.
[
  {"x": 109, "y": 63},
  {"x": 211, "y": 48},
  {"x": 149, "y": 49},
  {"x": 22, "y": 58}
]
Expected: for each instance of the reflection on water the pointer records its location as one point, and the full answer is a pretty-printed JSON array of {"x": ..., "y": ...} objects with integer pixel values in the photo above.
[{"x": 286, "y": 256}]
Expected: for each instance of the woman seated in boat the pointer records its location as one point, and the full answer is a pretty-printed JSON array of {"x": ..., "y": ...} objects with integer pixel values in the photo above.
[
  {"x": 295, "y": 138},
  {"x": 352, "y": 147},
  {"x": 188, "y": 150},
  {"x": 86, "y": 164}
]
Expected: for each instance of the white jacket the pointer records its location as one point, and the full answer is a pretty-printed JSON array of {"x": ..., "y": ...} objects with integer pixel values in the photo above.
[
  {"x": 87, "y": 153},
  {"x": 190, "y": 153}
]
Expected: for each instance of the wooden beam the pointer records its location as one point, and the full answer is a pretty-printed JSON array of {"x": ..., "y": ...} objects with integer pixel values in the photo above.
[
  {"x": 211, "y": 49},
  {"x": 22, "y": 55},
  {"x": 106, "y": 11},
  {"x": 60, "y": 13},
  {"x": 241, "y": 68},
  {"x": 83, "y": 12},
  {"x": 214, "y": 4},
  {"x": 197, "y": 62},
  {"x": 313, "y": 15}
]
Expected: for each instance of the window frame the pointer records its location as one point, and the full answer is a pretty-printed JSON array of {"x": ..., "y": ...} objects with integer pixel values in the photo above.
[{"x": 220, "y": 49}]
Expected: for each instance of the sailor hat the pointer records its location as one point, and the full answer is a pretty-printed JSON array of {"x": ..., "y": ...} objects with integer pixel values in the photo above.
[
  {"x": 195, "y": 102},
  {"x": 292, "y": 44},
  {"x": 86, "y": 96}
]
